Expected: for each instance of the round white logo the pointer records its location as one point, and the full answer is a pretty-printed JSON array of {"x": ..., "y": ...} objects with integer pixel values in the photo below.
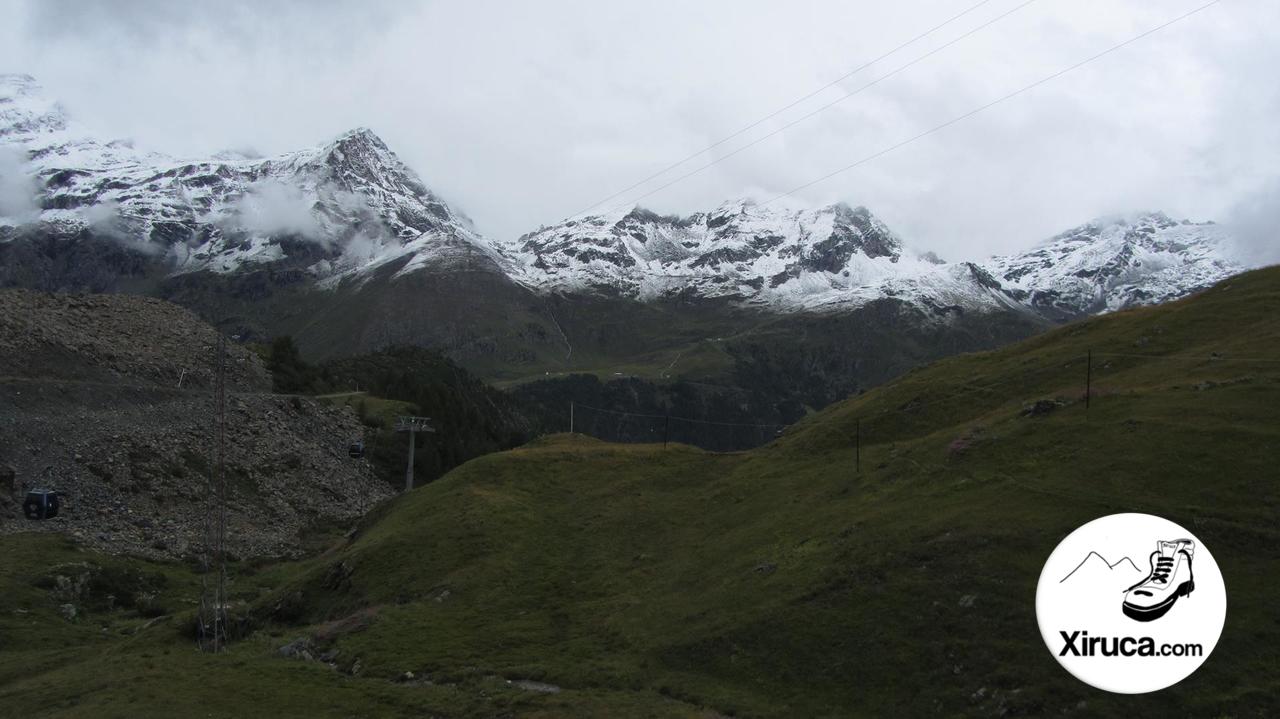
[{"x": 1131, "y": 603}]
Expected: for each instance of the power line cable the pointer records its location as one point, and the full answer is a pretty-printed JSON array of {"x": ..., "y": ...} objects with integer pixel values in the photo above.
[
  {"x": 788, "y": 106},
  {"x": 827, "y": 106},
  {"x": 995, "y": 102}
]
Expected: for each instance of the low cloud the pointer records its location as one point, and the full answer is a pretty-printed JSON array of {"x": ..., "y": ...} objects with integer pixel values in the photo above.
[
  {"x": 108, "y": 221},
  {"x": 1255, "y": 224},
  {"x": 18, "y": 190},
  {"x": 102, "y": 216},
  {"x": 323, "y": 215},
  {"x": 274, "y": 208}
]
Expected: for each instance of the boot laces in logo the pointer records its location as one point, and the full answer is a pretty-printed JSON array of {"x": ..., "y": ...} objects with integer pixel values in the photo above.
[{"x": 1131, "y": 603}]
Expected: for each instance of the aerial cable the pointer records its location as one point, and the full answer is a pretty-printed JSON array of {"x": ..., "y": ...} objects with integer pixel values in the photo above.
[
  {"x": 788, "y": 106},
  {"x": 827, "y": 106},
  {"x": 993, "y": 103}
]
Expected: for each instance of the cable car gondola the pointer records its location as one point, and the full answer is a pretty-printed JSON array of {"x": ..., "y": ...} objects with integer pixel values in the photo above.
[
  {"x": 41, "y": 504},
  {"x": 356, "y": 450}
]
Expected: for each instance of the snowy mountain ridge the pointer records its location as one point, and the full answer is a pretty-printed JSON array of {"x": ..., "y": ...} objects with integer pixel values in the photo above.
[
  {"x": 346, "y": 207},
  {"x": 737, "y": 249},
  {"x": 835, "y": 257},
  {"x": 350, "y": 210},
  {"x": 1115, "y": 262}
]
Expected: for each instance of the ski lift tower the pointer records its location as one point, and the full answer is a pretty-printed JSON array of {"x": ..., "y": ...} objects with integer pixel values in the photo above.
[{"x": 412, "y": 425}]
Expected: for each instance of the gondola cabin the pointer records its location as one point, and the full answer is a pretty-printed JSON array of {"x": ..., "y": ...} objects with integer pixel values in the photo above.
[
  {"x": 356, "y": 450},
  {"x": 41, "y": 504}
]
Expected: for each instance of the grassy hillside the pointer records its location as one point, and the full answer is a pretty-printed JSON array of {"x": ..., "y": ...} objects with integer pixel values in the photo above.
[
  {"x": 783, "y": 581},
  {"x": 120, "y": 663}
]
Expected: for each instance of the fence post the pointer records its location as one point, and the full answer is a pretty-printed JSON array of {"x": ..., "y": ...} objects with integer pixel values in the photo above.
[{"x": 1088, "y": 379}]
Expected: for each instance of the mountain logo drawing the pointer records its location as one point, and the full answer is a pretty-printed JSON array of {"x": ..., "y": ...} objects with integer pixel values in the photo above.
[
  {"x": 1110, "y": 565},
  {"x": 1131, "y": 625}
]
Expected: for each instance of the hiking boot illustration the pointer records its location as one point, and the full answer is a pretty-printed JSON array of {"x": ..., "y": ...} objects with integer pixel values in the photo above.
[{"x": 1169, "y": 579}]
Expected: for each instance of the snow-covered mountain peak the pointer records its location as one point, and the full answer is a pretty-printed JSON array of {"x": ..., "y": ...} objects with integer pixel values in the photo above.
[
  {"x": 25, "y": 110},
  {"x": 762, "y": 254},
  {"x": 359, "y": 151},
  {"x": 838, "y": 256},
  {"x": 1128, "y": 226},
  {"x": 341, "y": 207},
  {"x": 1116, "y": 261}
]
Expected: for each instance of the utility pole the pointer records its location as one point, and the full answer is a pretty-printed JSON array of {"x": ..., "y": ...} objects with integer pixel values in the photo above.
[
  {"x": 412, "y": 425},
  {"x": 666, "y": 429},
  {"x": 857, "y": 446},
  {"x": 570, "y": 416}
]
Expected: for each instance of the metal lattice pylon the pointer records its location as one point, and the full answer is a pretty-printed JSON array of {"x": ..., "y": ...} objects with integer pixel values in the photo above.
[{"x": 412, "y": 425}]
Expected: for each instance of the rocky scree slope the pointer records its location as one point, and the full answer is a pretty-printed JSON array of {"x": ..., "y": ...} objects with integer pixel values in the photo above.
[
  {"x": 116, "y": 338},
  {"x": 90, "y": 405}
]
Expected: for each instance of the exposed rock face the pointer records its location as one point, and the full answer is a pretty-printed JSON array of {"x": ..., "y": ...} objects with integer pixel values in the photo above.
[{"x": 90, "y": 405}]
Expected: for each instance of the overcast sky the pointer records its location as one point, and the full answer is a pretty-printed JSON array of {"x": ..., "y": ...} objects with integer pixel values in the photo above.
[{"x": 523, "y": 113}]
